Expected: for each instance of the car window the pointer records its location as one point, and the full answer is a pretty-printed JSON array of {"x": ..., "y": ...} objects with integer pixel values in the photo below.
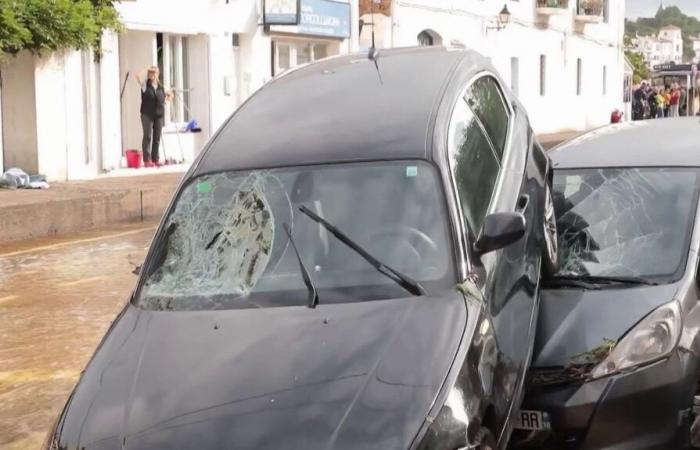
[
  {"x": 474, "y": 165},
  {"x": 485, "y": 99},
  {"x": 634, "y": 222},
  {"x": 227, "y": 247}
]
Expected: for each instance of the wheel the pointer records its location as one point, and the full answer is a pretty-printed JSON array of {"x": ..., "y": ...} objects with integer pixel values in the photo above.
[
  {"x": 486, "y": 440},
  {"x": 550, "y": 257}
]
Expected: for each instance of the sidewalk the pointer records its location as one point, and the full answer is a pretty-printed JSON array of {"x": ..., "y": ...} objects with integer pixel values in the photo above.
[{"x": 75, "y": 206}]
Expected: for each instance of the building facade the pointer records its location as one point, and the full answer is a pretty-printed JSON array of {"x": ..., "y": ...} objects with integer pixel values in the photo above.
[
  {"x": 69, "y": 116},
  {"x": 563, "y": 58},
  {"x": 664, "y": 48}
]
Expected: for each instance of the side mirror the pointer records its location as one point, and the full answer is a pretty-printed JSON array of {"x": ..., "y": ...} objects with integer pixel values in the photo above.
[{"x": 499, "y": 231}]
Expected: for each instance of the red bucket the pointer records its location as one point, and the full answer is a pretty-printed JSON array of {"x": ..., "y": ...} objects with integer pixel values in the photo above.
[{"x": 133, "y": 159}]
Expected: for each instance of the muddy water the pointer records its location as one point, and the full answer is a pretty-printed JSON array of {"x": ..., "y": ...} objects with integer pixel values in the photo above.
[{"x": 57, "y": 299}]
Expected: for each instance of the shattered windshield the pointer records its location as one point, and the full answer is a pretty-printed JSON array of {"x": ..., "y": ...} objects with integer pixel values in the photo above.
[
  {"x": 225, "y": 246},
  {"x": 625, "y": 222}
]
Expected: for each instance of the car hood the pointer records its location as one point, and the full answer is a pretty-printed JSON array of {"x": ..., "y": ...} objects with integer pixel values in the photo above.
[
  {"x": 574, "y": 321},
  {"x": 351, "y": 376}
]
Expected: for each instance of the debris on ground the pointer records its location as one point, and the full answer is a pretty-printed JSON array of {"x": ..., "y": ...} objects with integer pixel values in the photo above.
[{"x": 15, "y": 178}]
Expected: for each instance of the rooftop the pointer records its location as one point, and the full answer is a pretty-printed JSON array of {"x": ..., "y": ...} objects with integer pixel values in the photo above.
[
  {"x": 340, "y": 109},
  {"x": 660, "y": 142}
]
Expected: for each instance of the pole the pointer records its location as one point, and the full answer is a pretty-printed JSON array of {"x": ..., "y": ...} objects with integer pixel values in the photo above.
[{"x": 121, "y": 94}]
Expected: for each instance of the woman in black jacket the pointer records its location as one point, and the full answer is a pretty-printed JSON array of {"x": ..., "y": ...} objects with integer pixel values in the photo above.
[{"x": 153, "y": 98}]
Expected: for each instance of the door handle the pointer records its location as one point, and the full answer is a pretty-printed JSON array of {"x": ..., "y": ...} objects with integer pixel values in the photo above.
[{"x": 523, "y": 203}]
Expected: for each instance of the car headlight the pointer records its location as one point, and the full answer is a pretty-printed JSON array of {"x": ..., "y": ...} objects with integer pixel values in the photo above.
[
  {"x": 652, "y": 339},
  {"x": 450, "y": 429}
]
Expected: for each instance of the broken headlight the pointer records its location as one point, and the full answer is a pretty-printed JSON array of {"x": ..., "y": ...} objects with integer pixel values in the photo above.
[
  {"x": 653, "y": 338},
  {"x": 450, "y": 430}
]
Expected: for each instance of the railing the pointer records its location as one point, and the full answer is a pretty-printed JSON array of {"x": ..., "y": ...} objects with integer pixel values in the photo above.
[
  {"x": 590, "y": 8},
  {"x": 561, "y": 4}
]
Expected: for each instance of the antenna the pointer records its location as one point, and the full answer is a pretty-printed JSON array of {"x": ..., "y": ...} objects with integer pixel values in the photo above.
[{"x": 373, "y": 53}]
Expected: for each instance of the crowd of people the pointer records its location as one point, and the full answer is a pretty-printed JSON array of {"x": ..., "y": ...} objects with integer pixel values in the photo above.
[{"x": 655, "y": 102}]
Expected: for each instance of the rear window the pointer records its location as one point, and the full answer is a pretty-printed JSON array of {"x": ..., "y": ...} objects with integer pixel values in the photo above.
[
  {"x": 625, "y": 222},
  {"x": 225, "y": 246}
]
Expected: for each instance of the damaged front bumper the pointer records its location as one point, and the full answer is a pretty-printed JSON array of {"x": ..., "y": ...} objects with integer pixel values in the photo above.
[{"x": 647, "y": 408}]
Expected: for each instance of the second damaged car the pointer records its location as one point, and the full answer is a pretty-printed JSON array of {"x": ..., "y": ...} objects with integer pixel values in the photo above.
[
  {"x": 353, "y": 263},
  {"x": 617, "y": 355}
]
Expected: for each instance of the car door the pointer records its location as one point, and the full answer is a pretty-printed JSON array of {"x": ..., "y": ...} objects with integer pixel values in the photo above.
[{"x": 488, "y": 156}]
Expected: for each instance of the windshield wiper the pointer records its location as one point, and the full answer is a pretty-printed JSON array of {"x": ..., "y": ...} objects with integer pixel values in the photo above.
[
  {"x": 313, "y": 294},
  {"x": 570, "y": 282},
  {"x": 402, "y": 280},
  {"x": 603, "y": 279}
]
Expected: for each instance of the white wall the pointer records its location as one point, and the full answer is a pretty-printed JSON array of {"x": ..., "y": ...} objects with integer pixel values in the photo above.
[
  {"x": 59, "y": 105},
  {"x": 110, "y": 113},
  {"x": 19, "y": 112},
  {"x": 529, "y": 35}
]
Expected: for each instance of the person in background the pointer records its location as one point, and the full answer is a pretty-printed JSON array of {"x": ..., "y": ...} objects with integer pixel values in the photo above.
[
  {"x": 675, "y": 101},
  {"x": 153, "y": 98},
  {"x": 638, "y": 104},
  {"x": 667, "y": 100},
  {"x": 683, "y": 102},
  {"x": 660, "y": 103},
  {"x": 651, "y": 101}
]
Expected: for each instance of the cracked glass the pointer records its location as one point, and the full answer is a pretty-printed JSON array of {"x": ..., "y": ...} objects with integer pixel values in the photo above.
[
  {"x": 224, "y": 245},
  {"x": 625, "y": 222}
]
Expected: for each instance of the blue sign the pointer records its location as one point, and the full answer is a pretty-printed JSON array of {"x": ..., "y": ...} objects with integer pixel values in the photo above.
[{"x": 325, "y": 18}]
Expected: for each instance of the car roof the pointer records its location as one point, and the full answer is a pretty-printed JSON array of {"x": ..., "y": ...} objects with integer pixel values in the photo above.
[
  {"x": 673, "y": 142},
  {"x": 338, "y": 110}
]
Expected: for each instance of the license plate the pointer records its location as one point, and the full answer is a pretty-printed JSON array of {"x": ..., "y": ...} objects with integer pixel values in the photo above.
[{"x": 532, "y": 421}]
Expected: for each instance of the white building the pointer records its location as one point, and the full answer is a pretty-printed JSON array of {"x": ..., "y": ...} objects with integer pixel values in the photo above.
[
  {"x": 69, "y": 117},
  {"x": 696, "y": 48},
  {"x": 675, "y": 35},
  {"x": 563, "y": 58},
  {"x": 655, "y": 50}
]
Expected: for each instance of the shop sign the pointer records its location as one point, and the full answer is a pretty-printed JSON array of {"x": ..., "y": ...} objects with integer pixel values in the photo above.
[{"x": 325, "y": 18}]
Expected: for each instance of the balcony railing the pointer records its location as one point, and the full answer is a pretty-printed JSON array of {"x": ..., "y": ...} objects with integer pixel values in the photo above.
[
  {"x": 590, "y": 10},
  {"x": 553, "y": 4}
]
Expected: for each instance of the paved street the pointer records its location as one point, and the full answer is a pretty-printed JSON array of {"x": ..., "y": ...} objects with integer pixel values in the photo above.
[{"x": 57, "y": 298}]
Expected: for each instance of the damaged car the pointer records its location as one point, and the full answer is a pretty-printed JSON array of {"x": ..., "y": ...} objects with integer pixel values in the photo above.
[
  {"x": 617, "y": 354},
  {"x": 353, "y": 262}
]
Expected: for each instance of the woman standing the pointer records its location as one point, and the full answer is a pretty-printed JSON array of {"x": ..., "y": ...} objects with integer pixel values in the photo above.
[{"x": 153, "y": 98}]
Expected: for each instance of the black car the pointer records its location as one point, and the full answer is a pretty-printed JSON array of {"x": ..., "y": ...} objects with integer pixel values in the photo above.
[
  {"x": 327, "y": 274},
  {"x": 617, "y": 355}
]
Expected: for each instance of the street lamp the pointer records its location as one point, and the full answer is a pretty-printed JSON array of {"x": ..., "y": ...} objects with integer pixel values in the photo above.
[{"x": 502, "y": 20}]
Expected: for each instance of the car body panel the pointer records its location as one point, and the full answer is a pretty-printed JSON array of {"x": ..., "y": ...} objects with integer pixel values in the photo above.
[
  {"x": 646, "y": 407},
  {"x": 634, "y": 144},
  {"x": 380, "y": 370},
  {"x": 573, "y": 321},
  {"x": 356, "y": 376}
]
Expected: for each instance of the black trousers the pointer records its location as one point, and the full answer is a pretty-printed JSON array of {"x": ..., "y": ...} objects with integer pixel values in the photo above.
[{"x": 152, "y": 130}]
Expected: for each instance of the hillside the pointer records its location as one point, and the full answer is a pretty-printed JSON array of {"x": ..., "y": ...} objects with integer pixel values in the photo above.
[{"x": 671, "y": 15}]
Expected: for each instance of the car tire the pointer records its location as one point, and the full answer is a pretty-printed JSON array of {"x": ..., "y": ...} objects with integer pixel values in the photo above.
[
  {"x": 550, "y": 256},
  {"x": 486, "y": 440}
]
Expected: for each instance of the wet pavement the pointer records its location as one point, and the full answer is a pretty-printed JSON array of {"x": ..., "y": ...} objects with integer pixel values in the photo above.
[{"x": 57, "y": 299}]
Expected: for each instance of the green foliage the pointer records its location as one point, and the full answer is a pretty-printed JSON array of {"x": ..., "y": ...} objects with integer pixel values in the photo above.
[
  {"x": 48, "y": 25},
  {"x": 646, "y": 26},
  {"x": 641, "y": 71}
]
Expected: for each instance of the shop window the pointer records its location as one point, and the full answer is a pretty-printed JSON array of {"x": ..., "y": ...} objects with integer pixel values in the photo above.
[{"x": 290, "y": 54}]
